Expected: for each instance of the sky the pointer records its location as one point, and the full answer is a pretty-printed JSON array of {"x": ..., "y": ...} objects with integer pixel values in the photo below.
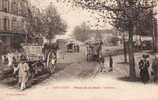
[{"x": 72, "y": 16}]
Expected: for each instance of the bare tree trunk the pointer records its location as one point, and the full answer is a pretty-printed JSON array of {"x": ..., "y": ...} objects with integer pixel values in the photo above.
[
  {"x": 125, "y": 49},
  {"x": 153, "y": 41},
  {"x": 132, "y": 72},
  {"x": 155, "y": 36}
]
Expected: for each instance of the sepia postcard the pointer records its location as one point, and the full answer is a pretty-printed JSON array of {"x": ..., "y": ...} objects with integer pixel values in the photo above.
[{"x": 78, "y": 50}]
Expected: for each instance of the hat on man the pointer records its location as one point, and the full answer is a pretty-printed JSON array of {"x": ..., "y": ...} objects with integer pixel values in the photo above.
[{"x": 23, "y": 58}]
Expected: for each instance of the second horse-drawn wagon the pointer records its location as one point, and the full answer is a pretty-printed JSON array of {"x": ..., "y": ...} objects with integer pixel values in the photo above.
[{"x": 94, "y": 50}]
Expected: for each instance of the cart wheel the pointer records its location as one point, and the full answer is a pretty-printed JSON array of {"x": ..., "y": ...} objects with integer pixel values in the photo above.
[{"x": 50, "y": 65}]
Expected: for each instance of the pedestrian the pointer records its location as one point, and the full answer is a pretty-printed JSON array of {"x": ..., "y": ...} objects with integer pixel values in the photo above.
[
  {"x": 78, "y": 48},
  {"x": 10, "y": 59},
  {"x": 23, "y": 73},
  {"x": 143, "y": 66},
  {"x": 101, "y": 63},
  {"x": 6, "y": 61},
  {"x": 3, "y": 59},
  {"x": 14, "y": 66},
  {"x": 110, "y": 63},
  {"x": 155, "y": 68}
]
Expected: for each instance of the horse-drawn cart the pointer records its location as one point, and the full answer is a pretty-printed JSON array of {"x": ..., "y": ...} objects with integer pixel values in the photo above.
[
  {"x": 94, "y": 49},
  {"x": 40, "y": 59}
]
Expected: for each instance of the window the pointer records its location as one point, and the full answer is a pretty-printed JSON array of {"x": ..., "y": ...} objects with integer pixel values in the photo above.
[
  {"x": 1, "y": 5},
  {"x": 14, "y": 24},
  {"x": 1, "y": 27},
  {"x": 19, "y": 26},
  {"x": 24, "y": 8},
  {"x": 6, "y": 24},
  {"x": 21, "y": 7},
  {"x": 5, "y": 5},
  {"x": 14, "y": 7},
  {"x": 23, "y": 25}
]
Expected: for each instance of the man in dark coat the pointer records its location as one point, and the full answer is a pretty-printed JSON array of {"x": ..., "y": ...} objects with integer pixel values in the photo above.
[
  {"x": 101, "y": 63},
  {"x": 110, "y": 63},
  {"x": 155, "y": 68},
  {"x": 143, "y": 66}
]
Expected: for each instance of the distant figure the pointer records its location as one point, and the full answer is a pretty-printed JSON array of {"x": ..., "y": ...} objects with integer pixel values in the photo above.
[
  {"x": 14, "y": 61},
  {"x": 101, "y": 63},
  {"x": 110, "y": 63},
  {"x": 3, "y": 57},
  {"x": 17, "y": 55},
  {"x": 75, "y": 48},
  {"x": 143, "y": 66},
  {"x": 6, "y": 60},
  {"x": 155, "y": 68},
  {"x": 23, "y": 73},
  {"x": 14, "y": 65},
  {"x": 78, "y": 48},
  {"x": 10, "y": 59}
]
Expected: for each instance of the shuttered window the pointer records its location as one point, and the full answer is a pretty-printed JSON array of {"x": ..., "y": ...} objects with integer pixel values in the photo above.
[
  {"x": 1, "y": 5},
  {"x": 1, "y": 24},
  {"x": 5, "y": 5},
  {"x": 6, "y": 24},
  {"x": 14, "y": 6},
  {"x": 14, "y": 24}
]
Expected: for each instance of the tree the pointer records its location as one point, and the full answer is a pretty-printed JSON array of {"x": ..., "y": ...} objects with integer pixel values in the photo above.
[
  {"x": 46, "y": 22},
  {"x": 53, "y": 24},
  {"x": 81, "y": 33},
  {"x": 124, "y": 15},
  {"x": 34, "y": 25}
]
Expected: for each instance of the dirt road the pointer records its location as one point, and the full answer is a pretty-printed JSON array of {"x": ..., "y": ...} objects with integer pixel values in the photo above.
[{"x": 74, "y": 80}]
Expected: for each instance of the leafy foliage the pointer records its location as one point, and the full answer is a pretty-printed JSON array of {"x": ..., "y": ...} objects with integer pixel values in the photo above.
[
  {"x": 46, "y": 22},
  {"x": 121, "y": 12},
  {"x": 81, "y": 33}
]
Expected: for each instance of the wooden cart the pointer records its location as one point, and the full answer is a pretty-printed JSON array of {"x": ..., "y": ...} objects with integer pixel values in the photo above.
[
  {"x": 40, "y": 59},
  {"x": 94, "y": 49}
]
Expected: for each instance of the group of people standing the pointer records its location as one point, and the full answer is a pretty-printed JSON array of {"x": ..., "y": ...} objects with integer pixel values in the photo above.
[
  {"x": 10, "y": 57},
  {"x": 144, "y": 65}
]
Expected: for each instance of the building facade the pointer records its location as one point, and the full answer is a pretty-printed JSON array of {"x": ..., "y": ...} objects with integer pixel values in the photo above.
[{"x": 13, "y": 22}]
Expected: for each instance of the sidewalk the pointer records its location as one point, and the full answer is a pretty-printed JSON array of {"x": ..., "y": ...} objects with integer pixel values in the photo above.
[{"x": 121, "y": 69}]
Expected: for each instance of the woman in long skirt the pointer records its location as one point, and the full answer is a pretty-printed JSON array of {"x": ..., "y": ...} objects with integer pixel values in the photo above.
[{"x": 143, "y": 66}]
